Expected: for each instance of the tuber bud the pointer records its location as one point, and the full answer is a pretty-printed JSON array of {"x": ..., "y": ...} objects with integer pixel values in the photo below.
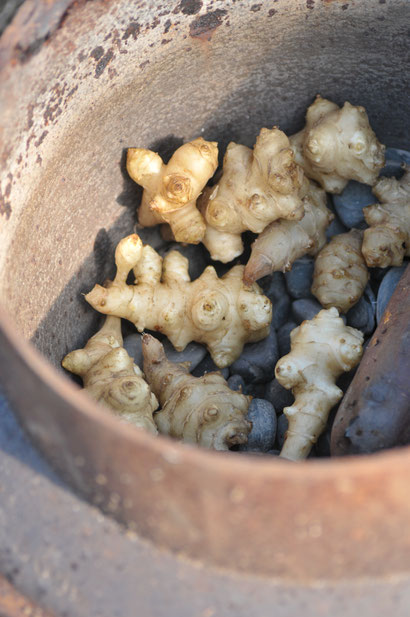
[
  {"x": 171, "y": 191},
  {"x": 110, "y": 376},
  {"x": 338, "y": 145},
  {"x": 340, "y": 274},
  {"x": 222, "y": 313},
  {"x": 201, "y": 410},
  {"x": 282, "y": 242},
  {"x": 257, "y": 187},
  {"x": 388, "y": 239},
  {"x": 321, "y": 350}
]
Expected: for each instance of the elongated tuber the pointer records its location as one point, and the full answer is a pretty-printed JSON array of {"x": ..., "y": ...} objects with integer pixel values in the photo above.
[
  {"x": 338, "y": 145},
  {"x": 171, "y": 191},
  {"x": 201, "y": 410},
  {"x": 340, "y": 274},
  {"x": 224, "y": 314},
  {"x": 387, "y": 240},
  {"x": 257, "y": 187},
  {"x": 110, "y": 376},
  {"x": 282, "y": 242},
  {"x": 321, "y": 350}
]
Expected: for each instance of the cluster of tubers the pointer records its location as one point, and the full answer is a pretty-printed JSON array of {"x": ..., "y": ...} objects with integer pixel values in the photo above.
[{"x": 277, "y": 190}]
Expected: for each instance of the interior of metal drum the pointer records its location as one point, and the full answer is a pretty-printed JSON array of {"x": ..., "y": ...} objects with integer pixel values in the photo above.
[{"x": 86, "y": 81}]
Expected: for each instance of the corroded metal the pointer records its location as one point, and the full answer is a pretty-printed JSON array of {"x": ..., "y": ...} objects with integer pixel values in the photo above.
[
  {"x": 375, "y": 412},
  {"x": 114, "y": 74}
]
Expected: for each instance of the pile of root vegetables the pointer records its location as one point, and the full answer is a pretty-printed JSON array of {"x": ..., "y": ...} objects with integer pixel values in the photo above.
[{"x": 231, "y": 363}]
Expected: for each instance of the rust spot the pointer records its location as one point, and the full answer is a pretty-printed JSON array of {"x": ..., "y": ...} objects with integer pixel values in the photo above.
[
  {"x": 165, "y": 41},
  {"x": 310, "y": 4},
  {"x": 5, "y": 207},
  {"x": 97, "y": 52},
  {"x": 143, "y": 64},
  {"x": 102, "y": 64},
  {"x": 272, "y": 12},
  {"x": 133, "y": 29},
  {"x": 386, "y": 317},
  {"x": 189, "y": 7},
  {"x": 344, "y": 7},
  {"x": 41, "y": 139},
  {"x": 204, "y": 26},
  {"x": 167, "y": 26},
  {"x": 256, "y": 7}
]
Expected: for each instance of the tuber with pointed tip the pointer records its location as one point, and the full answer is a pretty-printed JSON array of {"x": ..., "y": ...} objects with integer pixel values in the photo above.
[
  {"x": 340, "y": 274},
  {"x": 387, "y": 240},
  {"x": 321, "y": 350},
  {"x": 110, "y": 376},
  {"x": 282, "y": 242},
  {"x": 338, "y": 145},
  {"x": 222, "y": 313},
  {"x": 171, "y": 191},
  {"x": 202, "y": 410},
  {"x": 257, "y": 187}
]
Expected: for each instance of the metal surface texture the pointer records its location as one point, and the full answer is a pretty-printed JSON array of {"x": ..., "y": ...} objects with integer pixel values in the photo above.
[
  {"x": 375, "y": 411},
  {"x": 99, "y": 76}
]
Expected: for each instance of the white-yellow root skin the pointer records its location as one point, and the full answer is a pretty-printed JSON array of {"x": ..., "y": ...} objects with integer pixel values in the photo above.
[
  {"x": 321, "y": 350},
  {"x": 340, "y": 274},
  {"x": 202, "y": 410},
  {"x": 257, "y": 187},
  {"x": 338, "y": 145},
  {"x": 282, "y": 242},
  {"x": 110, "y": 376},
  {"x": 171, "y": 191},
  {"x": 387, "y": 241},
  {"x": 221, "y": 313}
]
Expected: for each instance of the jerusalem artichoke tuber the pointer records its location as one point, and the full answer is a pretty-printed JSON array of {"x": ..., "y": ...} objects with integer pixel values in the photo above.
[
  {"x": 201, "y": 410},
  {"x": 321, "y": 350},
  {"x": 338, "y": 145},
  {"x": 387, "y": 240},
  {"x": 340, "y": 274},
  {"x": 222, "y": 313},
  {"x": 257, "y": 187},
  {"x": 110, "y": 376},
  {"x": 171, "y": 191},
  {"x": 282, "y": 242}
]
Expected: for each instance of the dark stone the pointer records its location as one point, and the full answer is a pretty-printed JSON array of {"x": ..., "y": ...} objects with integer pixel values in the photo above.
[
  {"x": 299, "y": 279},
  {"x": 273, "y": 286},
  {"x": 278, "y": 395},
  {"x": 263, "y": 417},
  {"x": 305, "y": 309},
  {"x": 133, "y": 345},
  {"x": 236, "y": 382},
  {"x": 257, "y": 361},
  {"x": 350, "y": 203},
  {"x": 335, "y": 228},
  {"x": 362, "y": 315},
  {"x": 207, "y": 365},
  {"x": 193, "y": 353},
  {"x": 257, "y": 390},
  {"x": 280, "y": 312},
  {"x": 281, "y": 429},
  {"x": 284, "y": 337},
  {"x": 394, "y": 160},
  {"x": 386, "y": 289}
]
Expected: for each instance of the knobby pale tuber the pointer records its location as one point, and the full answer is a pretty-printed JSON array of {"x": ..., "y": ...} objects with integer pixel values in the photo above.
[
  {"x": 171, "y": 191},
  {"x": 110, "y": 376},
  {"x": 282, "y": 242},
  {"x": 338, "y": 145},
  {"x": 201, "y": 410},
  {"x": 222, "y": 313},
  {"x": 340, "y": 274},
  {"x": 387, "y": 240},
  {"x": 321, "y": 350},
  {"x": 257, "y": 187}
]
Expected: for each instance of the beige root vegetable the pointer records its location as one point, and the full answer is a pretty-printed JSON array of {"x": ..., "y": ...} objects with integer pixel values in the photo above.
[
  {"x": 171, "y": 191},
  {"x": 110, "y": 376},
  {"x": 200, "y": 410},
  {"x": 282, "y": 242},
  {"x": 321, "y": 350},
  {"x": 387, "y": 240},
  {"x": 338, "y": 145},
  {"x": 257, "y": 187},
  {"x": 222, "y": 313},
  {"x": 340, "y": 274}
]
